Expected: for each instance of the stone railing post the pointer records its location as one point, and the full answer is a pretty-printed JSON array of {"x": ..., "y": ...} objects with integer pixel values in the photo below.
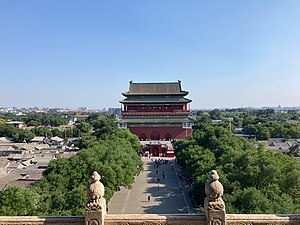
[
  {"x": 213, "y": 204},
  {"x": 95, "y": 209}
]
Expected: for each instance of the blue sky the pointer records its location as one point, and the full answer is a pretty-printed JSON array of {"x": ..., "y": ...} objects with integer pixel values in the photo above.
[{"x": 63, "y": 53}]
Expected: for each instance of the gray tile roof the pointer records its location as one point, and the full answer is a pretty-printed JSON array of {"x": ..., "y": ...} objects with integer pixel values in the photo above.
[
  {"x": 5, "y": 180},
  {"x": 155, "y": 88}
]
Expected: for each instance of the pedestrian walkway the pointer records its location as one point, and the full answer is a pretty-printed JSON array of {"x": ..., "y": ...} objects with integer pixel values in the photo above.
[{"x": 156, "y": 190}]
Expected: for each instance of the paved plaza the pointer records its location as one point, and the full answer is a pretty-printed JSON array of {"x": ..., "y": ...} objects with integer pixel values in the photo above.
[{"x": 157, "y": 190}]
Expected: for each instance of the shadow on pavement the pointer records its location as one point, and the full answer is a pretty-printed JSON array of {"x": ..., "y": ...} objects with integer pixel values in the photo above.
[{"x": 166, "y": 192}]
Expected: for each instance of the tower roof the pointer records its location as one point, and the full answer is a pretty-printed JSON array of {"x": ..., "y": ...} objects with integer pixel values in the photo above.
[
  {"x": 162, "y": 88},
  {"x": 157, "y": 100}
]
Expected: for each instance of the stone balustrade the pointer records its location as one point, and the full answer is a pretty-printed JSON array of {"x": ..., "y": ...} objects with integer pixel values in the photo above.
[
  {"x": 41, "y": 220},
  {"x": 214, "y": 212},
  {"x": 153, "y": 219}
]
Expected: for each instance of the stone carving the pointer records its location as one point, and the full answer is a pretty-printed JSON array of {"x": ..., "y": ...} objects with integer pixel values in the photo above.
[
  {"x": 137, "y": 223},
  {"x": 122, "y": 223},
  {"x": 95, "y": 209},
  {"x": 95, "y": 193},
  {"x": 262, "y": 222},
  {"x": 214, "y": 191},
  {"x": 189, "y": 223},
  {"x": 155, "y": 223},
  {"x": 213, "y": 204},
  {"x": 276, "y": 223},
  {"x": 17, "y": 222},
  {"x": 239, "y": 223}
]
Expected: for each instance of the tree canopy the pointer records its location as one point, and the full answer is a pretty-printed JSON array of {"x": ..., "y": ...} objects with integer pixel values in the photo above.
[
  {"x": 62, "y": 190},
  {"x": 16, "y": 134},
  {"x": 255, "y": 179}
]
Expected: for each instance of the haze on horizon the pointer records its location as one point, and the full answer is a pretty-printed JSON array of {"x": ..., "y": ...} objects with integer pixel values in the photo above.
[{"x": 73, "y": 53}]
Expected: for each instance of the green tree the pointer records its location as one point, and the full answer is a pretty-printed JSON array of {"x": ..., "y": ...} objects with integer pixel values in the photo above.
[
  {"x": 2, "y": 121},
  {"x": 104, "y": 125},
  {"x": 7, "y": 130},
  {"x": 84, "y": 128},
  {"x": 215, "y": 114},
  {"x": 254, "y": 179},
  {"x": 22, "y": 135},
  {"x": 56, "y": 132},
  {"x": 42, "y": 131},
  {"x": 113, "y": 154},
  {"x": 18, "y": 201},
  {"x": 262, "y": 132}
]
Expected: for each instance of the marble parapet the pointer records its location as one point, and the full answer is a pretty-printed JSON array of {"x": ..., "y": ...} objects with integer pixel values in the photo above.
[{"x": 154, "y": 219}]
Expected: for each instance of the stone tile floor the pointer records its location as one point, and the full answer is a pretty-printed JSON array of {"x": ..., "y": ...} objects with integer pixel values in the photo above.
[{"x": 168, "y": 193}]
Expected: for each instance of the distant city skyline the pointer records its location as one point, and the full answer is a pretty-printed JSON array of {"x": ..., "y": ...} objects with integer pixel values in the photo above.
[
  {"x": 15, "y": 109},
  {"x": 228, "y": 54}
]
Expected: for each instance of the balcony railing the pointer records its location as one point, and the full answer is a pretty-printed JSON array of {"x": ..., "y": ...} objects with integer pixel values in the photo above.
[{"x": 155, "y": 113}]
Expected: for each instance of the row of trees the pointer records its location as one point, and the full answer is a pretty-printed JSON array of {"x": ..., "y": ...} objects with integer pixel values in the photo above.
[
  {"x": 23, "y": 135},
  {"x": 16, "y": 134},
  {"x": 262, "y": 124},
  {"x": 263, "y": 128},
  {"x": 39, "y": 119},
  {"x": 266, "y": 113},
  {"x": 44, "y": 126},
  {"x": 255, "y": 180},
  {"x": 62, "y": 190}
]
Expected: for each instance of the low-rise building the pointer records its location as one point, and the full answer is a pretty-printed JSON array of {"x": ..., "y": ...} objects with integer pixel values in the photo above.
[
  {"x": 38, "y": 139},
  {"x": 17, "y": 124}
]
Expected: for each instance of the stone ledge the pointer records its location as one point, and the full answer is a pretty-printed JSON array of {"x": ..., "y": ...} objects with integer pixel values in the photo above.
[
  {"x": 155, "y": 219},
  {"x": 41, "y": 220},
  {"x": 268, "y": 219}
]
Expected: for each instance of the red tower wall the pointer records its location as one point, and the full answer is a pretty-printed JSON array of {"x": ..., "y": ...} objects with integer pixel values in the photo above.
[
  {"x": 175, "y": 132},
  {"x": 156, "y": 150}
]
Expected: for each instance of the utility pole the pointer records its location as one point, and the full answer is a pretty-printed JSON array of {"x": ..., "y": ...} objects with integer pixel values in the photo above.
[{"x": 230, "y": 120}]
